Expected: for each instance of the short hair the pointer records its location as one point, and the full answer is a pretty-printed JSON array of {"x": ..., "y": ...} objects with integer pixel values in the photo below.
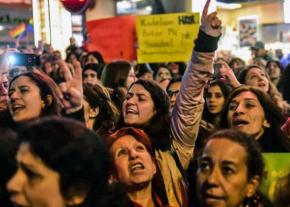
[
  {"x": 46, "y": 86},
  {"x": 254, "y": 159},
  {"x": 75, "y": 152},
  {"x": 158, "y": 127}
]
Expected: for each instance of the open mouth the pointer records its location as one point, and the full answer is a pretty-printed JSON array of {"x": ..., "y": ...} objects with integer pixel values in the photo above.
[
  {"x": 239, "y": 122},
  {"x": 262, "y": 85},
  {"x": 17, "y": 107},
  {"x": 211, "y": 107},
  {"x": 14, "y": 201},
  {"x": 131, "y": 111},
  {"x": 212, "y": 199},
  {"x": 135, "y": 167}
]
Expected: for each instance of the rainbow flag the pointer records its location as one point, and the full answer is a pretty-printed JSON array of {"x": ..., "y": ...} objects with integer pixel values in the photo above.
[
  {"x": 16, "y": 31},
  {"x": 21, "y": 30}
]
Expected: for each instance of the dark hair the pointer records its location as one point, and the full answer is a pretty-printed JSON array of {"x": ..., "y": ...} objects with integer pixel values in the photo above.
[
  {"x": 109, "y": 115},
  {"x": 68, "y": 56},
  {"x": 115, "y": 74},
  {"x": 75, "y": 152},
  {"x": 46, "y": 87},
  {"x": 141, "y": 69},
  {"x": 271, "y": 110},
  {"x": 162, "y": 65},
  {"x": 177, "y": 79},
  {"x": 254, "y": 159},
  {"x": 95, "y": 67},
  {"x": 158, "y": 127},
  {"x": 8, "y": 165},
  {"x": 286, "y": 83},
  {"x": 97, "y": 55},
  {"x": 181, "y": 67},
  {"x": 278, "y": 64},
  {"x": 234, "y": 60},
  {"x": 225, "y": 88}
]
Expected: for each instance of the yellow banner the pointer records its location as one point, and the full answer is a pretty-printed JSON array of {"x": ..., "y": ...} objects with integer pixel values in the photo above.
[{"x": 166, "y": 37}]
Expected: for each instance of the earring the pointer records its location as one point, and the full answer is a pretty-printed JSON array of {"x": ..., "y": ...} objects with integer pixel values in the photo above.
[
  {"x": 266, "y": 124},
  {"x": 42, "y": 104},
  {"x": 92, "y": 114}
]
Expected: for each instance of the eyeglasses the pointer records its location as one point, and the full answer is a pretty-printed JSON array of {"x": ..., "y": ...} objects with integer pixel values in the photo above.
[{"x": 172, "y": 93}]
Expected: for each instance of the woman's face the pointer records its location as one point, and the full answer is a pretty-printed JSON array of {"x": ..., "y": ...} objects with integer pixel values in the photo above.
[
  {"x": 92, "y": 59},
  {"x": 131, "y": 77},
  {"x": 48, "y": 67},
  {"x": 34, "y": 184},
  {"x": 138, "y": 106},
  {"x": 133, "y": 163},
  {"x": 72, "y": 58},
  {"x": 172, "y": 92},
  {"x": 274, "y": 70},
  {"x": 147, "y": 76},
  {"x": 91, "y": 77},
  {"x": 24, "y": 99},
  {"x": 214, "y": 99},
  {"x": 163, "y": 74},
  {"x": 222, "y": 175},
  {"x": 4, "y": 83},
  {"x": 257, "y": 77},
  {"x": 246, "y": 114}
]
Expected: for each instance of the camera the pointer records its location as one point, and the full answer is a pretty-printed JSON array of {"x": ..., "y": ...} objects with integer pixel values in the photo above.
[{"x": 24, "y": 59}]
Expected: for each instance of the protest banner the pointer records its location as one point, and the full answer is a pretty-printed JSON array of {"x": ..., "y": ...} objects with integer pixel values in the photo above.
[
  {"x": 166, "y": 37},
  {"x": 114, "y": 38},
  {"x": 277, "y": 166}
]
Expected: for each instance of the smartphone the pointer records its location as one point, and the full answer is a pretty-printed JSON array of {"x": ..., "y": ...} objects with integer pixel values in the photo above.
[
  {"x": 24, "y": 59},
  {"x": 216, "y": 73}
]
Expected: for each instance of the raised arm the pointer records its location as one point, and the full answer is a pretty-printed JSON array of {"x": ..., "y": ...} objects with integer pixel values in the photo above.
[{"x": 188, "y": 109}]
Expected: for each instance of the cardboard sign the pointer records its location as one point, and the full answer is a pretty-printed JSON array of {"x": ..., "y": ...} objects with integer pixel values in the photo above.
[
  {"x": 166, "y": 37},
  {"x": 114, "y": 38},
  {"x": 277, "y": 167}
]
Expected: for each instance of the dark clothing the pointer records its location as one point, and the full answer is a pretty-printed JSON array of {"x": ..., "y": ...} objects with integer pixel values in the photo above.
[{"x": 271, "y": 142}]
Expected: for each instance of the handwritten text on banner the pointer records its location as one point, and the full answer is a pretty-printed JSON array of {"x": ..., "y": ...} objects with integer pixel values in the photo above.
[{"x": 166, "y": 37}]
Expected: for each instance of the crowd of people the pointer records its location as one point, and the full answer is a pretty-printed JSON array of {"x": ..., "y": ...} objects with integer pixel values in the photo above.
[{"x": 78, "y": 131}]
